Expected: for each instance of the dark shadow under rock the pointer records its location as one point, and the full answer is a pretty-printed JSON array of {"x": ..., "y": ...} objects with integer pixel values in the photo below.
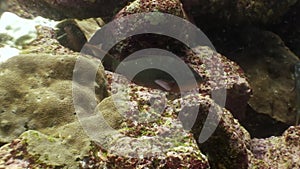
[
  {"x": 268, "y": 65},
  {"x": 262, "y": 125}
]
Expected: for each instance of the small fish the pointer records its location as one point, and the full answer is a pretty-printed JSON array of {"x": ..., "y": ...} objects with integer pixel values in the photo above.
[
  {"x": 171, "y": 86},
  {"x": 297, "y": 89},
  {"x": 70, "y": 35}
]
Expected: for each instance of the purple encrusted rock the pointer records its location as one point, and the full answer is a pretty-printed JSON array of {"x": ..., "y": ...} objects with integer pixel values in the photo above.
[
  {"x": 226, "y": 147},
  {"x": 278, "y": 152},
  {"x": 212, "y": 71}
]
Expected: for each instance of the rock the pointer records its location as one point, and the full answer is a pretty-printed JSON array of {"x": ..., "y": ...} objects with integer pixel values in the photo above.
[
  {"x": 219, "y": 72},
  {"x": 227, "y": 146},
  {"x": 69, "y": 35},
  {"x": 36, "y": 93},
  {"x": 59, "y": 10},
  {"x": 37, "y": 150},
  {"x": 278, "y": 152},
  {"x": 183, "y": 148},
  {"x": 238, "y": 11},
  {"x": 138, "y": 6},
  {"x": 213, "y": 72},
  {"x": 46, "y": 43},
  {"x": 269, "y": 66},
  {"x": 133, "y": 125},
  {"x": 148, "y": 128},
  {"x": 73, "y": 33}
]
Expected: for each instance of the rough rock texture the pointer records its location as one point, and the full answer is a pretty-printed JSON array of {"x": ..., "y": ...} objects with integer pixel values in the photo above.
[
  {"x": 212, "y": 71},
  {"x": 269, "y": 66},
  {"x": 73, "y": 33},
  {"x": 278, "y": 152},
  {"x": 153, "y": 121},
  {"x": 70, "y": 134},
  {"x": 138, "y": 6},
  {"x": 227, "y": 146},
  {"x": 37, "y": 150},
  {"x": 58, "y": 9},
  {"x": 219, "y": 72},
  {"x": 46, "y": 43},
  {"x": 145, "y": 139},
  {"x": 72, "y": 145},
  {"x": 36, "y": 93}
]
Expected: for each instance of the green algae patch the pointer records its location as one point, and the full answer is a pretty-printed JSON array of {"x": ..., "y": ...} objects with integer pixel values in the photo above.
[
  {"x": 44, "y": 149},
  {"x": 110, "y": 112},
  {"x": 36, "y": 93},
  {"x": 74, "y": 137},
  {"x": 65, "y": 147}
]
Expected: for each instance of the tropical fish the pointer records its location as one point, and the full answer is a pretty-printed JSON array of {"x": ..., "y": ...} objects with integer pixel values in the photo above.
[{"x": 297, "y": 89}]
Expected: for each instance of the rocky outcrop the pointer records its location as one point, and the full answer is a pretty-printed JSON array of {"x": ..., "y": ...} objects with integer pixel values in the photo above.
[
  {"x": 148, "y": 114},
  {"x": 213, "y": 72},
  {"x": 64, "y": 149},
  {"x": 278, "y": 152},
  {"x": 269, "y": 66},
  {"x": 141, "y": 126},
  {"x": 36, "y": 92},
  {"x": 227, "y": 146}
]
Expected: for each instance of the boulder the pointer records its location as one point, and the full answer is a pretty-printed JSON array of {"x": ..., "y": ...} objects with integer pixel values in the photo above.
[
  {"x": 278, "y": 152},
  {"x": 212, "y": 71},
  {"x": 36, "y": 93},
  {"x": 34, "y": 149},
  {"x": 269, "y": 66},
  {"x": 226, "y": 147}
]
